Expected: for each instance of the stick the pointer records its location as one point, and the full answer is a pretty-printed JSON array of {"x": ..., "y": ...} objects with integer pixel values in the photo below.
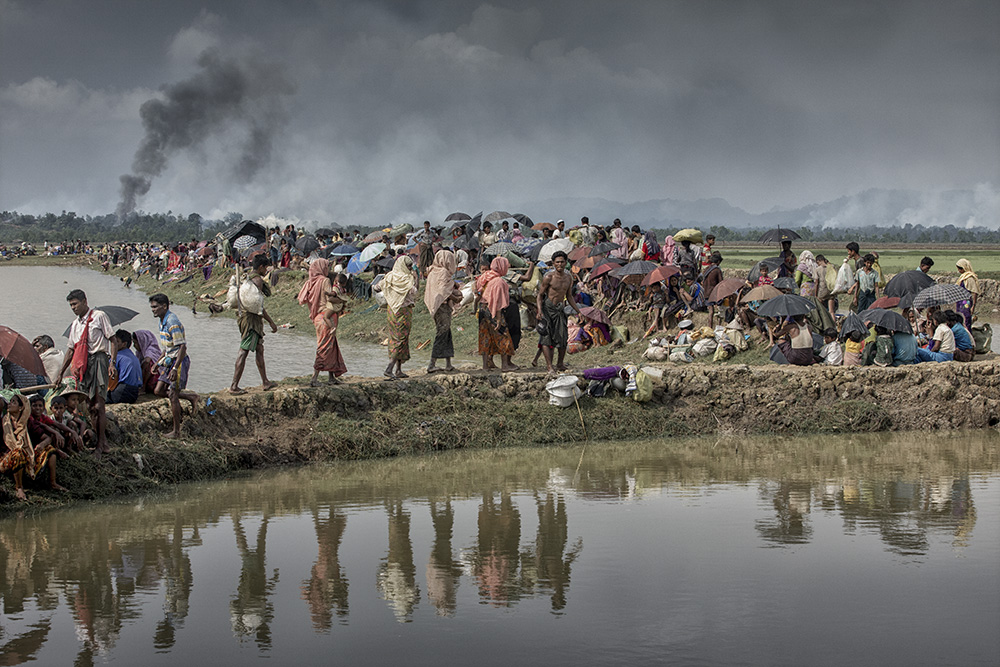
[
  {"x": 576, "y": 475},
  {"x": 26, "y": 390}
]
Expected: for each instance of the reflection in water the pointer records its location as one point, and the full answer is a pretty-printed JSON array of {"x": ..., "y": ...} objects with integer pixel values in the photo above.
[{"x": 110, "y": 568}]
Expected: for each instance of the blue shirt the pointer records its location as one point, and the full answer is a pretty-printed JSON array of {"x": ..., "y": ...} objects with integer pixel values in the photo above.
[
  {"x": 171, "y": 334},
  {"x": 129, "y": 368},
  {"x": 963, "y": 341},
  {"x": 904, "y": 349}
]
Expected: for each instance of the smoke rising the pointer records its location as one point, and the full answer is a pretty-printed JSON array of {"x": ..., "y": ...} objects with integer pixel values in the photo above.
[{"x": 224, "y": 96}]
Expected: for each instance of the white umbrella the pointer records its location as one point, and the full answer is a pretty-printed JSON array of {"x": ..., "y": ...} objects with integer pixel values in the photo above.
[
  {"x": 554, "y": 246},
  {"x": 372, "y": 251}
]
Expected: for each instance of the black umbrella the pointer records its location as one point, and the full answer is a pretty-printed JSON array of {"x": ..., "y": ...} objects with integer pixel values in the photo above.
[
  {"x": 458, "y": 216},
  {"x": 786, "y": 283},
  {"x": 325, "y": 231},
  {"x": 785, "y": 305},
  {"x": 637, "y": 268},
  {"x": 524, "y": 220},
  {"x": 497, "y": 216},
  {"x": 852, "y": 324},
  {"x": 117, "y": 315},
  {"x": 473, "y": 224},
  {"x": 603, "y": 248},
  {"x": 386, "y": 262},
  {"x": 908, "y": 282},
  {"x": 306, "y": 244},
  {"x": 778, "y": 235},
  {"x": 887, "y": 319},
  {"x": 608, "y": 260},
  {"x": 772, "y": 263},
  {"x": 940, "y": 294}
]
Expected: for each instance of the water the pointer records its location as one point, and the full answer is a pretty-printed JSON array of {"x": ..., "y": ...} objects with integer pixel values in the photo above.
[
  {"x": 866, "y": 550},
  {"x": 34, "y": 303}
]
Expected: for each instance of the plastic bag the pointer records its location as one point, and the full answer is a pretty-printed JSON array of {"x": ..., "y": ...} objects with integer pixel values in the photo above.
[
  {"x": 643, "y": 387},
  {"x": 845, "y": 278},
  {"x": 704, "y": 347}
]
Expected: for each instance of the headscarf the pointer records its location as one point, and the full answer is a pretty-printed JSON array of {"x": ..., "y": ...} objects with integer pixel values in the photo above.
[
  {"x": 311, "y": 293},
  {"x": 15, "y": 434},
  {"x": 440, "y": 280},
  {"x": 149, "y": 345},
  {"x": 619, "y": 236},
  {"x": 667, "y": 253},
  {"x": 494, "y": 289},
  {"x": 652, "y": 246},
  {"x": 398, "y": 283},
  {"x": 968, "y": 279},
  {"x": 461, "y": 259},
  {"x": 807, "y": 264}
]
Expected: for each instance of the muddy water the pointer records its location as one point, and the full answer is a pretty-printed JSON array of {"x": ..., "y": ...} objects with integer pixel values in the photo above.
[
  {"x": 34, "y": 303},
  {"x": 874, "y": 550}
]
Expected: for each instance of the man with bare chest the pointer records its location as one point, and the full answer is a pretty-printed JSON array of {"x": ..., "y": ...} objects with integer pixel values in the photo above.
[{"x": 554, "y": 294}]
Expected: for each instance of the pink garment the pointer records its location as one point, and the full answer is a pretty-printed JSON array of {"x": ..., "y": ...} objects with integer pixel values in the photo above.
[{"x": 667, "y": 251}]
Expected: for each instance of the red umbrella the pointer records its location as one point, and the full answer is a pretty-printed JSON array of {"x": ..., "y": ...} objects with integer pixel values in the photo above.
[
  {"x": 725, "y": 288},
  {"x": 660, "y": 273},
  {"x": 601, "y": 270},
  {"x": 885, "y": 302},
  {"x": 206, "y": 251},
  {"x": 580, "y": 253},
  {"x": 595, "y": 314},
  {"x": 17, "y": 349},
  {"x": 543, "y": 225}
]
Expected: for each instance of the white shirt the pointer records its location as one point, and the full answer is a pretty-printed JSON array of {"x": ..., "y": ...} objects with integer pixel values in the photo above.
[
  {"x": 557, "y": 234},
  {"x": 100, "y": 331},
  {"x": 832, "y": 353},
  {"x": 944, "y": 334}
]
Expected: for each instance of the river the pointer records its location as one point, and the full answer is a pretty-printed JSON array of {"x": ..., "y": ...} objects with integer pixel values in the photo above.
[
  {"x": 34, "y": 303},
  {"x": 784, "y": 551}
]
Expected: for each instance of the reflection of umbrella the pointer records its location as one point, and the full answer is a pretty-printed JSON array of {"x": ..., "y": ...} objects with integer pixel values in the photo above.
[
  {"x": 886, "y": 302},
  {"x": 908, "y": 282},
  {"x": 761, "y": 293},
  {"x": 692, "y": 235},
  {"x": 306, "y": 244},
  {"x": 497, "y": 216},
  {"x": 940, "y": 294},
  {"x": 660, "y": 273},
  {"x": 595, "y": 314},
  {"x": 543, "y": 226},
  {"x": 523, "y": 220},
  {"x": 554, "y": 246},
  {"x": 786, "y": 283},
  {"x": 786, "y": 305},
  {"x": 777, "y": 236},
  {"x": 458, "y": 216},
  {"x": 725, "y": 288},
  {"x": 17, "y": 349},
  {"x": 117, "y": 315},
  {"x": 356, "y": 265},
  {"x": 579, "y": 253},
  {"x": 603, "y": 248},
  {"x": 325, "y": 231},
  {"x": 372, "y": 251},
  {"x": 772, "y": 263},
  {"x": 887, "y": 319},
  {"x": 500, "y": 248},
  {"x": 344, "y": 251}
]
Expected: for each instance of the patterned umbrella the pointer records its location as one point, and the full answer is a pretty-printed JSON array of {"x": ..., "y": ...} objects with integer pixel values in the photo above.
[
  {"x": 500, "y": 248},
  {"x": 660, "y": 273},
  {"x": 244, "y": 242},
  {"x": 725, "y": 288},
  {"x": 908, "y": 282},
  {"x": 940, "y": 294},
  {"x": 603, "y": 248},
  {"x": 525, "y": 246},
  {"x": 17, "y": 349},
  {"x": 497, "y": 216},
  {"x": 786, "y": 305},
  {"x": 888, "y": 319},
  {"x": 356, "y": 265}
]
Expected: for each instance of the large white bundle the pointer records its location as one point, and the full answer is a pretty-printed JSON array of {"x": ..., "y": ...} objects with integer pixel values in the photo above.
[
  {"x": 468, "y": 294},
  {"x": 251, "y": 298},
  {"x": 655, "y": 353}
]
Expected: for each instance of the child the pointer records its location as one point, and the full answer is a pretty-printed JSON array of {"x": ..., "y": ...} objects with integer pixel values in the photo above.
[
  {"x": 764, "y": 278},
  {"x": 74, "y": 419},
  {"x": 335, "y": 301},
  {"x": 853, "y": 346},
  {"x": 883, "y": 347},
  {"x": 831, "y": 352},
  {"x": 44, "y": 431},
  {"x": 20, "y": 456}
]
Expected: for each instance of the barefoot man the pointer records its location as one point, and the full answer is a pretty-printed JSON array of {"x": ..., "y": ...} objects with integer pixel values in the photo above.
[
  {"x": 554, "y": 294},
  {"x": 174, "y": 362},
  {"x": 90, "y": 354},
  {"x": 252, "y": 329}
]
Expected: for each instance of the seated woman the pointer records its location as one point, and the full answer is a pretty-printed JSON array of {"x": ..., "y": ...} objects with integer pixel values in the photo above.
[
  {"x": 965, "y": 347},
  {"x": 147, "y": 348},
  {"x": 796, "y": 342},
  {"x": 692, "y": 294},
  {"x": 942, "y": 345}
]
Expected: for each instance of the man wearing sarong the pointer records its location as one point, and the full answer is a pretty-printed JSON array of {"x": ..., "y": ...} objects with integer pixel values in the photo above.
[
  {"x": 554, "y": 294},
  {"x": 252, "y": 330},
  {"x": 93, "y": 364},
  {"x": 174, "y": 363}
]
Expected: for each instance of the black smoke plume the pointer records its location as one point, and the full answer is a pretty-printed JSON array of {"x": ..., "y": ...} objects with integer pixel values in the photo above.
[{"x": 225, "y": 94}]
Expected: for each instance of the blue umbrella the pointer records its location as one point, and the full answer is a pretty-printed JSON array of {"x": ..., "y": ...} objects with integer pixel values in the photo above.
[
  {"x": 357, "y": 265},
  {"x": 344, "y": 251}
]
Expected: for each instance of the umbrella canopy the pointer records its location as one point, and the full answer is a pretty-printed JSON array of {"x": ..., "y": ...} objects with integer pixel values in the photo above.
[
  {"x": 17, "y": 349},
  {"x": 692, "y": 235},
  {"x": 458, "y": 216},
  {"x": 386, "y": 262},
  {"x": 206, "y": 251},
  {"x": 356, "y": 265},
  {"x": 580, "y": 253},
  {"x": 117, "y": 315},
  {"x": 886, "y": 302},
  {"x": 762, "y": 293},
  {"x": 660, "y": 273},
  {"x": 500, "y": 249},
  {"x": 786, "y": 305},
  {"x": 497, "y": 216},
  {"x": 245, "y": 242},
  {"x": 253, "y": 251},
  {"x": 888, "y": 319},
  {"x": 374, "y": 236},
  {"x": 786, "y": 283},
  {"x": 600, "y": 271},
  {"x": 344, "y": 250},
  {"x": 637, "y": 268},
  {"x": 546, "y": 251},
  {"x": 772, "y": 263},
  {"x": 255, "y": 231},
  {"x": 324, "y": 231},
  {"x": 523, "y": 220},
  {"x": 372, "y": 251},
  {"x": 595, "y": 314},
  {"x": 541, "y": 226},
  {"x": 604, "y": 248},
  {"x": 777, "y": 236},
  {"x": 940, "y": 294},
  {"x": 852, "y": 324},
  {"x": 472, "y": 225},
  {"x": 524, "y": 246},
  {"x": 306, "y": 244},
  {"x": 908, "y": 282},
  {"x": 725, "y": 288}
]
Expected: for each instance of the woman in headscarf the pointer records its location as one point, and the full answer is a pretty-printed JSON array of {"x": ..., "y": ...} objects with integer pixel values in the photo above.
[
  {"x": 20, "y": 456},
  {"x": 619, "y": 236},
  {"x": 970, "y": 281},
  {"x": 147, "y": 345},
  {"x": 315, "y": 293},
  {"x": 667, "y": 252},
  {"x": 650, "y": 247},
  {"x": 805, "y": 274},
  {"x": 440, "y": 297},
  {"x": 400, "y": 290},
  {"x": 493, "y": 296}
]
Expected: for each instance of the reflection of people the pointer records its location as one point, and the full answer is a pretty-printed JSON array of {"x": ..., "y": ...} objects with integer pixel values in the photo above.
[
  {"x": 552, "y": 562},
  {"x": 791, "y": 500},
  {"x": 250, "y": 610},
  {"x": 326, "y": 589},
  {"x": 443, "y": 572},
  {"x": 397, "y": 575},
  {"x": 496, "y": 560}
]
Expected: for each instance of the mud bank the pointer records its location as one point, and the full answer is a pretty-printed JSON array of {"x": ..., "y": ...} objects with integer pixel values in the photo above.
[{"x": 297, "y": 424}]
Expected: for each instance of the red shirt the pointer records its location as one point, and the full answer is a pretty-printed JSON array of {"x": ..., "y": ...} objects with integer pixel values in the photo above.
[
  {"x": 764, "y": 280},
  {"x": 35, "y": 430}
]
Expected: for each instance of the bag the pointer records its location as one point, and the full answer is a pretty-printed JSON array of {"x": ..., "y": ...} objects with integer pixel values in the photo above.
[
  {"x": 619, "y": 333},
  {"x": 680, "y": 355},
  {"x": 845, "y": 278},
  {"x": 233, "y": 293},
  {"x": 704, "y": 347},
  {"x": 643, "y": 388},
  {"x": 80, "y": 350},
  {"x": 982, "y": 336},
  {"x": 722, "y": 352}
]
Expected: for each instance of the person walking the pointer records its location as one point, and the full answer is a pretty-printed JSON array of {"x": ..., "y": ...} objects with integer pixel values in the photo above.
[
  {"x": 315, "y": 294},
  {"x": 400, "y": 290},
  {"x": 440, "y": 297},
  {"x": 174, "y": 363},
  {"x": 251, "y": 325}
]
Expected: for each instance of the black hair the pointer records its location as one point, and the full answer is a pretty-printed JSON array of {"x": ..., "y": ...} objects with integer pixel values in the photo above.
[
  {"x": 830, "y": 332},
  {"x": 953, "y": 317},
  {"x": 76, "y": 295},
  {"x": 856, "y": 336},
  {"x": 927, "y": 261},
  {"x": 124, "y": 336},
  {"x": 35, "y": 398},
  {"x": 716, "y": 257},
  {"x": 559, "y": 253},
  {"x": 940, "y": 318},
  {"x": 869, "y": 258},
  {"x": 710, "y": 236},
  {"x": 261, "y": 260},
  {"x": 160, "y": 298},
  {"x": 58, "y": 400},
  {"x": 820, "y": 258},
  {"x": 45, "y": 340},
  {"x": 585, "y": 220},
  {"x": 853, "y": 247}
]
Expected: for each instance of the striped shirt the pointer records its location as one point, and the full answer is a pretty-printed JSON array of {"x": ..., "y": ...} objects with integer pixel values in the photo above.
[{"x": 171, "y": 334}]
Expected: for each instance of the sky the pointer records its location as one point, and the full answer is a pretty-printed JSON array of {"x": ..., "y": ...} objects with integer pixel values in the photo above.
[{"x": 379, "y": 111}]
